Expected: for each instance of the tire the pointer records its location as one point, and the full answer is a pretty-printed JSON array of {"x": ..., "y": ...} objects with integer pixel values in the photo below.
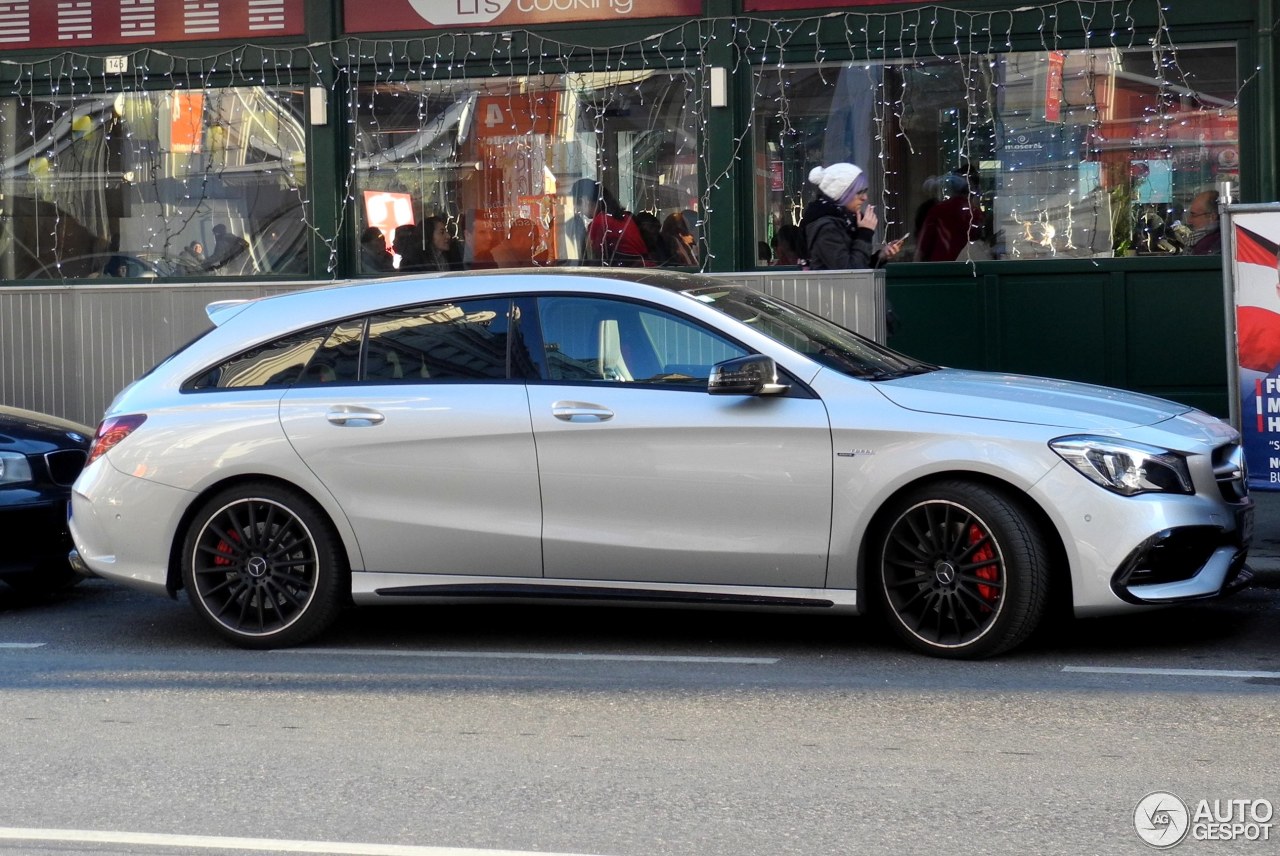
[
  {"x": 262, "y": 564},
  {"x": 961, "y": 571}
]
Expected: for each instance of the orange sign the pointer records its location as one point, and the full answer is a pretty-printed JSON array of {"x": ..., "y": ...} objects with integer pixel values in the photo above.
[{"x": 515, "y": 115}]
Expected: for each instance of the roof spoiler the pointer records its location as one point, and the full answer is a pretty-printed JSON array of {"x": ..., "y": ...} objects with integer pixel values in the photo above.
[{"x": 220, "y": 311}]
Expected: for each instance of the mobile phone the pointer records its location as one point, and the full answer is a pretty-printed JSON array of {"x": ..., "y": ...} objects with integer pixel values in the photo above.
[{"x": 903, "y": 238}]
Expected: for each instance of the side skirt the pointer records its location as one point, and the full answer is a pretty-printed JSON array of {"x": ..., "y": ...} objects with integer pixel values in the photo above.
[{"x": 368, "y": 588}]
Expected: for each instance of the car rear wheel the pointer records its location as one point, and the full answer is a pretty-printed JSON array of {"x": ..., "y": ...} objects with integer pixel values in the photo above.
[
  {"x": 262, "y": 564},
  {"x": 962, "y": 571}
]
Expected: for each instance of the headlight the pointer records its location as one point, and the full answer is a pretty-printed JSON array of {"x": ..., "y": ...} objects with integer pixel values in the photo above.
[
  {"x": 1124, "y": 467},
  {"x": 14, "y": 468}
]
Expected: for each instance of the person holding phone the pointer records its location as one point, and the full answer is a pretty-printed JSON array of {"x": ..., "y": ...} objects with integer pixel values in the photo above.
[{"x": 839, "y": 225}]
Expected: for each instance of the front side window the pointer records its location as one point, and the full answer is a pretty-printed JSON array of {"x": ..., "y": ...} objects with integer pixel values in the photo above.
[
  {"x": 615, "y": 341},
  {"x": 1025, "y": 155},
  {"x": 154, "y": 185},
  {"x": 592, "y": 168}
]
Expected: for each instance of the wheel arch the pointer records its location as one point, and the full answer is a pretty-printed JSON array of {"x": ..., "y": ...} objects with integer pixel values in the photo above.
[
  {"x": 1060, "y": 597},
  {"x": 173, "y": 575}
]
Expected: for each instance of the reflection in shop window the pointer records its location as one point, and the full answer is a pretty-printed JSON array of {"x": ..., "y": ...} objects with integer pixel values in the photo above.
[
  {"x": 528, "y": 171},
  {"x": 152, "y": 185},
  {"x": 1063, "y": 154}
]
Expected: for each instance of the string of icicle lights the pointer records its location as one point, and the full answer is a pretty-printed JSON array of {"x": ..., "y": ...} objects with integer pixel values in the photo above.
[{"x": 402, "y": 102}]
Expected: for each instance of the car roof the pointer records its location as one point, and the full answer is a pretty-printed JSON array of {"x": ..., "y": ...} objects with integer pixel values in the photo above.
[{"x": 350, "y": 297}]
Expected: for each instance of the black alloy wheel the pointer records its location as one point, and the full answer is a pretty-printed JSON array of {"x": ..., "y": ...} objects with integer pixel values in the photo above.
[
  {"x": 963, "y": 572},
  {"x": 262, "y": 565}
]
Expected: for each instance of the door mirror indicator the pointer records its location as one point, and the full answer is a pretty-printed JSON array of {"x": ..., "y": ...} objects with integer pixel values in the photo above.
[{"x": 755, "y": 374}]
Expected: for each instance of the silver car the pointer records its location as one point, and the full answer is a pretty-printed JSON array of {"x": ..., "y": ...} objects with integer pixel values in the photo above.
[{"x": 639, "y": 437}]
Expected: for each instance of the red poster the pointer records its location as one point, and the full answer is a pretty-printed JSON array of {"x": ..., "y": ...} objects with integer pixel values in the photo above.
[
  {"x": 1053, "y": 87},
  {"x": 73, "y": 24},
  {"x": 371, "y": 16}
]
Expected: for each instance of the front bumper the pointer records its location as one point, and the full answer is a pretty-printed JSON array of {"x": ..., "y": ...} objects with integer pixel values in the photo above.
[
  {"x": 1127, "y": 553},
  {"x": 1187, "y": 562},
  {"x": 33, "y": 537}
]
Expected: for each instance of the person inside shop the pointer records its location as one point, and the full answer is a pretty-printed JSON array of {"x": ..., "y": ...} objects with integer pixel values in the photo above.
[
  {"x": 439, "y": 247},
  {"x": 651, "y": 230},
  {"x": 786, "y": 245},
  {"x": 193, "y": 254},
  {"x": 612, "y": 235},
  {"x": 407, "y": 243},
  {"x": 679, "y": 241},
  {"x": 1202, "y": 220},
  {"x": 374, "y": 257},
  {"x": 951, "y": 224},
  {"x": 229, "y": 250},
  {"x": 839, "y": 225}
]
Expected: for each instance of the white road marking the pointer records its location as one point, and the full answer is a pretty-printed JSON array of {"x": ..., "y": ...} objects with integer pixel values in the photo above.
[
  {"x": 265, "y": 845},
  {"x": 1175, "y": 673},
  {"x": 22, "y": 644},
  {"x": 521, "y": 655}
]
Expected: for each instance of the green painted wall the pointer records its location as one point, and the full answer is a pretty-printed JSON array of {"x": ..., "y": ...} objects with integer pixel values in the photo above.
[{"x": 1154, "y": 325}]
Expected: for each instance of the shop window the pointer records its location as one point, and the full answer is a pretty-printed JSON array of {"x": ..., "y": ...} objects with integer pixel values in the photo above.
[
  {"x": 529, "y": 171},
  {"x": 1049, "y": 154},
  {"x": 153, "y": 185}
]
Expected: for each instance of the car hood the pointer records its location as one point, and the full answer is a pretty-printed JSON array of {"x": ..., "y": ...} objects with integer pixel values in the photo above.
[
  {"x": 19, "y": 426},
  {"x": 1030, "y": 400}
]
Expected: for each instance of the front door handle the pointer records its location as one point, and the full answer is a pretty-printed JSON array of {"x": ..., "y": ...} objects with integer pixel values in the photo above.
[
  {"x": 348, "y": 415},
  {"x": 580, "y": 411}
]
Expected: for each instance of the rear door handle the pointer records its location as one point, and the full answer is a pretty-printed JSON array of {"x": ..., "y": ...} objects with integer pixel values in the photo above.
[
  {"x": 579, "y": 411},
  {"x": 351, "y": 416}
]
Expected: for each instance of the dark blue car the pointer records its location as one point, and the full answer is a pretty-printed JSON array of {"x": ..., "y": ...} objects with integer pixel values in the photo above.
[{"x": 40, "y": 456}]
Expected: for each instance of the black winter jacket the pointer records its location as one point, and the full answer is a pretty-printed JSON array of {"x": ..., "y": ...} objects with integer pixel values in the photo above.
[{"x": 833, "y": 241}]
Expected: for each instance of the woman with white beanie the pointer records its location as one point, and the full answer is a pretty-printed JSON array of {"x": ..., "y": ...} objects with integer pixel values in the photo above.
[{"x": 839, "y": 225}]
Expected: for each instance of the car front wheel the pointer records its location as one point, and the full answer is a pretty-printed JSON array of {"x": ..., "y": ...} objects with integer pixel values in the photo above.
[
  {"x": 261, "y": 563},
  {"x": 962, "y": 571}
]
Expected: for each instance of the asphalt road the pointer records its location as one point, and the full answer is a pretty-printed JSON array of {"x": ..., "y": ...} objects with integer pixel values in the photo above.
[{"x": 620, "y": 732}]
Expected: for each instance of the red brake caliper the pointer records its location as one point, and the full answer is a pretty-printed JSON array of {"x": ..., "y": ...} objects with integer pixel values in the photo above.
[
  {"x": 987, "y": 572},
  {"x": 224, "y": 549}
]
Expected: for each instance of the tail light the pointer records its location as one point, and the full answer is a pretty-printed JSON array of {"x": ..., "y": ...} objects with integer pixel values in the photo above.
[{"x": 111, "y": 431}]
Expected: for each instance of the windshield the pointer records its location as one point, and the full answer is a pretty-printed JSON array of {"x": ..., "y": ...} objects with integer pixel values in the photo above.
[{"x": 812, "y": 335}]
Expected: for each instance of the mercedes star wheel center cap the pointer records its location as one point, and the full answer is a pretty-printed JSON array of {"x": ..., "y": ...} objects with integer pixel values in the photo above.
[
  {"x": 944, "y": 573},
  {"x": 256, "y": 567}
]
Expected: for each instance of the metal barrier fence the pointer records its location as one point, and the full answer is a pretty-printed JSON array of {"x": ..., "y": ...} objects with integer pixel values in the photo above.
[{"x": 67, "y": 350}]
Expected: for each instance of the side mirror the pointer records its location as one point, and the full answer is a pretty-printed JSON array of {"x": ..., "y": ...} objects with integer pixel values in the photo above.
[{"x": 751, "y": 375}]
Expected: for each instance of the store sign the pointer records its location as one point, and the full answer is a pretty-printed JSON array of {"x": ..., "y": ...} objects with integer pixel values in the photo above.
[
  {"x": 791, "y": 5},
  {"x": 142, "y": 23},
  {"x": 371, "y": 16}
]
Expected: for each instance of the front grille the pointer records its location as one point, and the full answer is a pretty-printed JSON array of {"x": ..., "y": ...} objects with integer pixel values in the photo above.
[
  {"x": 65, "y": 465},
  {"x": 1229, "y": 471}
]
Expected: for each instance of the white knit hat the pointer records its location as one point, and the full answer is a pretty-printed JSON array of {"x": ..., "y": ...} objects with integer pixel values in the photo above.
[{"x": 840, "y": 181}]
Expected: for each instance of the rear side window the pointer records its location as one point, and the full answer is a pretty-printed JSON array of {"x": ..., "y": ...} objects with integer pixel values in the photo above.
[
  {"x": 467, "y": 340},
  {"x": 278, "y": 364}
]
